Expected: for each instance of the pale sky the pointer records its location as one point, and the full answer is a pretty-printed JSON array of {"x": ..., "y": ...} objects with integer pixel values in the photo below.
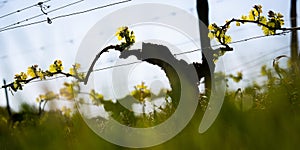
[{"x": 43, "y": 43}]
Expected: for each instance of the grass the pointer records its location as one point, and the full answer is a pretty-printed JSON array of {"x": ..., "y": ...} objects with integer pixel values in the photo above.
[{"x": 272, "y": 128}]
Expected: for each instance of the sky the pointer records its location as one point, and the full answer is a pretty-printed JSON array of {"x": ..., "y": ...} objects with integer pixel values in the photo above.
[{"x": 43, "y": 43}]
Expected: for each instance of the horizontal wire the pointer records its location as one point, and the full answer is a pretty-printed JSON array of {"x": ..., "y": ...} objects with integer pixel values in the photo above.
[
  {"x": 89, "y": 10},
  {"x": 42, "y": 14},
  {"x": 48, "y": 79},
  {"x": 66, "y": 15},
  {"x": 19, "y": 10},
  {"x": 234, "y": 42},
  {"x": 115, "y": 66},
  {"x": 260, "y": 57}
]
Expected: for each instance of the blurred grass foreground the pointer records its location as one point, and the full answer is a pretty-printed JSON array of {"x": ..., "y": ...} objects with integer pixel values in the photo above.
[{"x": 261, "y": 116}]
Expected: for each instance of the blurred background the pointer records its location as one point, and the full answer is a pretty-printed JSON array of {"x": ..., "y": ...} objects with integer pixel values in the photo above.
[{"x": 263, "y": 116}]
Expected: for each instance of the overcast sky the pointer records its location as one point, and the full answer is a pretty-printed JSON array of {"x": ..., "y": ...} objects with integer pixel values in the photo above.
[{"x": 43, "y": 43}]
